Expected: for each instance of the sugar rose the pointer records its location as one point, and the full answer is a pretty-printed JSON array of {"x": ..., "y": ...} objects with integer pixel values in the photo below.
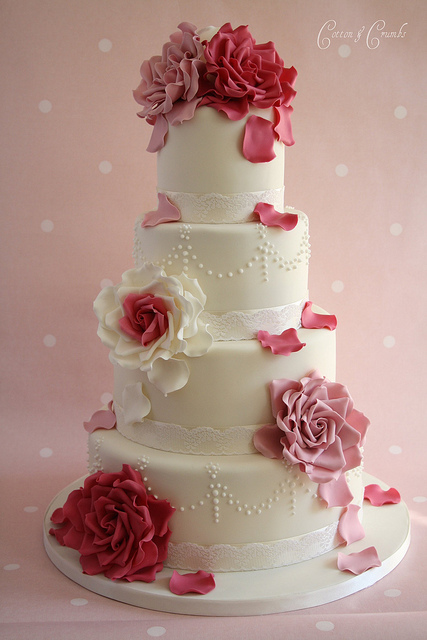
[{"x": 116, "y": 527}]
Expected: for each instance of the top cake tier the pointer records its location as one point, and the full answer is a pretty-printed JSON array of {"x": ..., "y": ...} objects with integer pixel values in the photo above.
[{"x": 219, "y": 106}]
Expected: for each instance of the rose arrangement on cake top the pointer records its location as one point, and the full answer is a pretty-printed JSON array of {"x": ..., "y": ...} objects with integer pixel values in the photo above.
[
  {"x": 116, "y": 527},
  {"x": 229, "y": 73},
  {"x": 148, "y": 319}
]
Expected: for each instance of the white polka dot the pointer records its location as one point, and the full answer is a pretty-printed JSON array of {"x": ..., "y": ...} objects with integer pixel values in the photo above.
[
  {"x": 337, "y": 286},
  {"x": 105, "y": 45},
  {"x": 324, "y": 625},
  {"x": 79, "y": 602},
  {"x": 392, "y": 593},
  {"x": 156, "y": 632},
  {"x": 46, "y": 452},
  {"x": 49, "y": 341},
  {"x": 420, "y": 499},
  {"x": 341, "y": 170},
  {"x": 46, "y": 225},
  {"x": 389, "y": 341},
  {"x": 105, "y": 166},
  {"x": 106, "y": 397},
  {"x": 396, "y": 229},
  {"x": 106, "y": 283},
  {"x": 344, "y": 51},
  {"x": 45, "y": 106},
  {"x": 400, "y": 112},
  {"x": 11, "y": 567},
  {"x": 30, "y": 509},
  {"x": 395, "y": 449}
]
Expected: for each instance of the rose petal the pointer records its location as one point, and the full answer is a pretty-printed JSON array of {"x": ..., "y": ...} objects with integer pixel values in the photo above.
[
  {"x": 160, "y": 129},
  {"x": 169, "y": 375},
  {"x": 283, "y": 126},
  {"x": 136, "y": 405},
  {"x": 200, "y": 582},
  {"x": 284, "y": 344},
  {"x": 377, "y": 496},
  {"x": 272, "y": 218},
  {"x": 336, "y": 493},
  {"x": 102, "y": 419},
  {"x": 166, "y": 212},
  {"x": 311, "y": 320},
  {"x": 258, "y": 141},
  {"x": 359, "y": 562},
  {"x": 267, "y": 441},
  {"x": 349, "y": 527}
]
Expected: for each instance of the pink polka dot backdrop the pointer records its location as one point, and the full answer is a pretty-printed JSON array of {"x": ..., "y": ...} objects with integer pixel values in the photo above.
[{"x": 75, "y": 175}]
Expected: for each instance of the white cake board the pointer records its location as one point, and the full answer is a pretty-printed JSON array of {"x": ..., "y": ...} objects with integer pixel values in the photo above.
[{"x": 299, "y": 586}]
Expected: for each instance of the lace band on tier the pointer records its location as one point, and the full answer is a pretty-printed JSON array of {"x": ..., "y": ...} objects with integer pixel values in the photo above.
[
  {"x": 244, "y": 325},
  {"x": 191, "y": 440},
  {"x": 253, "y": 556},
  {"x": 223, "y": 208}
]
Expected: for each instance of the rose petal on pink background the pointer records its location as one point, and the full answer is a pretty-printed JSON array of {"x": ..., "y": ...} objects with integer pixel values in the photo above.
[
  {"x": 258, "y": 141},
  {"x": 311, "y": 320},
  {"x": 284, "y": 344},
  {"x": 377, "y": 496},
  {"x": 336, "y": 493},
  {"x": 349, "y": 526},
  {"x": 200, "y": 582},
  {"x": 102, "y": 419},
  {"x": 359, "y": 562},
  {"x": 272, "y": 218},
  {"x": 166, "y": 212}
]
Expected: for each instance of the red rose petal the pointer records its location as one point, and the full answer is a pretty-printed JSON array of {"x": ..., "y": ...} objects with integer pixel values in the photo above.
[
  {"x": 284, "y": 344},
  {"x": 258, "y": 141},
  {"x": 283, "y": 125},
  {"x": 200, "y": 582},
  {"x": 272, "y": 218},
  {"x": 377, "y": 496},
  {"x": 311, "y": 320},
  {"x": 359, "y": 562},
  {"x": 166, "y": 212}
]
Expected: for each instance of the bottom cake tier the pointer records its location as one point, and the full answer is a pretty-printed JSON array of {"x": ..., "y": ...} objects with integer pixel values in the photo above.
[{"x": 232, "y": 512}]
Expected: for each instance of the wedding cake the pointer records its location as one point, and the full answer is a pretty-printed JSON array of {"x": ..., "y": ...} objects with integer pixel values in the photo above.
[{"x": 228, "y": 446}]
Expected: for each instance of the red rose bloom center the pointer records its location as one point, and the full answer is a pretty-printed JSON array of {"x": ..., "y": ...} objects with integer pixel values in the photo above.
[{"x": 145, "y": 319}]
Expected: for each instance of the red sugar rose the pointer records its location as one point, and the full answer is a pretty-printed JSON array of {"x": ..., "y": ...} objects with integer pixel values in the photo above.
[{"x": 116, "y": 527}]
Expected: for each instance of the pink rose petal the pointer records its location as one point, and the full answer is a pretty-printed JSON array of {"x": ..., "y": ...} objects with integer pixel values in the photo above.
[
  {"x": 336, "y": 493},
  {"x": 283, "y": 344},
  {"x": 258, "y": 141},
  {"x": 200, "y": 582},
  {"x": 267, "y": 441},
  {"x": 311, "y": 320},
  {"x": 359, "y": 562},
  {"x": 102, "y": 419},
  {"x": 378, "y": 496},
  {"x": 160, "y": 129},
  {"x": 349, "y": 527},
  {"x": 166, "y": 212},
  {"x": 272, "y": 218},
  {"x": 283, "y": 126}
]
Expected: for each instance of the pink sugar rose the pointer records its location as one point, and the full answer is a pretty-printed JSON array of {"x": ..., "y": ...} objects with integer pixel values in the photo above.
[
  {"x": 116, "y": 527},
  {"x": 146, "y": 317},
  {"x": 170, "y": 83},
  {"x": 316, "y": 427},
  {"x": 240, "y": 73}
]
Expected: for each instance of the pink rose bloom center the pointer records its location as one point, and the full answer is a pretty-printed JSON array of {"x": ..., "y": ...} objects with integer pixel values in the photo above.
[{"x": 145, "y": 319}]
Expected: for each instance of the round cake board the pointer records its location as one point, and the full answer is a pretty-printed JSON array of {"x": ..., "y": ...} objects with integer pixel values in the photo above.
[{"x": 299, "y": 586}]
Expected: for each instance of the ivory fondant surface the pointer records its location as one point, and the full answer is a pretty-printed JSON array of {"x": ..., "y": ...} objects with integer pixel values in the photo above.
[
  {"x": 228, "y": 500},
  {"x": 229, "y": 385},
  {"x": 204, "y": 155},
  {"x": 238, "y": 266}
]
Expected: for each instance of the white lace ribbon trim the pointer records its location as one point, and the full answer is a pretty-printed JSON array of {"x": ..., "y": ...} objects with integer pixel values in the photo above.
[
  {"x": 255, "y": 555},
  {"x": 223, "y": 208},
  {"x": 174, "y": 438},
  {"x": 244, "y": 325}
]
